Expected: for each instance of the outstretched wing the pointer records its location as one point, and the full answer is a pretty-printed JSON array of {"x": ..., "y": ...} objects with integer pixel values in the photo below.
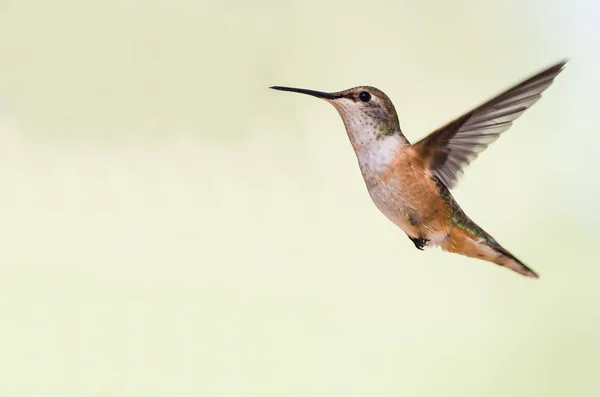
[{"x": 448, "y": 150}]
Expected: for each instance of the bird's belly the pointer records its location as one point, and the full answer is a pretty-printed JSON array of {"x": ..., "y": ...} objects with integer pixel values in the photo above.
[
  {"x": 394, "y": 205},
  {"x": 408, "y": 196},
  {"x": 415, "y": 208}
]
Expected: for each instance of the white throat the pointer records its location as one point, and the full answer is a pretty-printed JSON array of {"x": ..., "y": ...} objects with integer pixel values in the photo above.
[
  {"x": 376, "y": 155},
  {"x": 376, "y": 142}
]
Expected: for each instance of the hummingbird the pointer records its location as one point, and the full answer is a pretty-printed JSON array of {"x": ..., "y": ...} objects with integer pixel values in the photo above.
[{"x": 410, "y": 183}]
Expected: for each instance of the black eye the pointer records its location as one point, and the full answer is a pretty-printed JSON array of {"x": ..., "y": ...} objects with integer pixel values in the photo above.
[{"x": 364, "y": 96}]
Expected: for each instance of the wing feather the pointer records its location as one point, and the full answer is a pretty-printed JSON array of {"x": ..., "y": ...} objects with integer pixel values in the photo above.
[{"x": 452, "y": 147}]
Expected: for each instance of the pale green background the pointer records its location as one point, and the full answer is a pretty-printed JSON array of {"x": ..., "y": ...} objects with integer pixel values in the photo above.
[{"x": 171, "y": 227}]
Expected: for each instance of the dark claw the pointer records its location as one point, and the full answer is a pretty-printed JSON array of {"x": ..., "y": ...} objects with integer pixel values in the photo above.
[{"x": 419, "y": 242}]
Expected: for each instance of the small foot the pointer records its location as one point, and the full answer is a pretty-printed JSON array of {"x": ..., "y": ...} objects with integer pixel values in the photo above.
[{"x": 419, "y": 242}]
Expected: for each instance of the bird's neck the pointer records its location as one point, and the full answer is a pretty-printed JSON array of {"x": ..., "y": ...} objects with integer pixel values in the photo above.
[{"x": 375, "y": 156}]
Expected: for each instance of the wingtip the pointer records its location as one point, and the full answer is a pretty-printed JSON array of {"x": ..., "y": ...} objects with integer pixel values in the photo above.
[
  {"x": 560, "y": 65},
  {"x": 555, "y": 69}
]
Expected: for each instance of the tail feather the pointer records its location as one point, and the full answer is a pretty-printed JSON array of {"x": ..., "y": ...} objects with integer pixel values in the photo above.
[
  {"x": 465, "y": 243},
  {"x": 508, "y": 260}
]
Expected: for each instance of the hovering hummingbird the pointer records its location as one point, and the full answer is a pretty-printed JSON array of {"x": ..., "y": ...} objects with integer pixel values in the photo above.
[{"x": 410, "y": 183}]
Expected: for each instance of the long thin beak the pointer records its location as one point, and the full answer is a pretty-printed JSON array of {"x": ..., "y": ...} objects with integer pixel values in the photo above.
[{"x": 318, "y": 94}]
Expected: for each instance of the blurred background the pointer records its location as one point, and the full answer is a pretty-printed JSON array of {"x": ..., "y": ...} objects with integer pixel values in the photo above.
[{"x": 172, "y": 227}]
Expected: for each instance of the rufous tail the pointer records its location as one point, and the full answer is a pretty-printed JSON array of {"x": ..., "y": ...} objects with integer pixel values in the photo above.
[{"x": 483, "y": 247}]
